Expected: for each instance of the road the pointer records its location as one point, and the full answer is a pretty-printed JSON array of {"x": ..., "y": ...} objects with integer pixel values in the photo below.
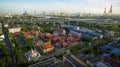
[{"x": 7, "y": 41}]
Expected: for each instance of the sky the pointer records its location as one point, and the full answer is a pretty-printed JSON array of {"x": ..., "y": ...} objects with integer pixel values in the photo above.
[{"x": 70, "y": 6}]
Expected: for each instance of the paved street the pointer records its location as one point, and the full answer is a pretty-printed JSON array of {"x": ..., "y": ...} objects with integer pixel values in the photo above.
[{"x": 7, "y": 41}]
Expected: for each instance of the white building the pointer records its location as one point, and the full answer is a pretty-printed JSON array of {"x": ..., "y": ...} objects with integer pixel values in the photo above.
[
  {"x": 6, "y": 25},
  {"x": 2, "y": 37},
  {"x": 32, "y": 55},
  {"x": 56, "y": 32},
  {"x": 13, "y": 30}
]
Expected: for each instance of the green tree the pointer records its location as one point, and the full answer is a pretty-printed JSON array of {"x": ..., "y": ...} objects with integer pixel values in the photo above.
[
  {"x": 2, "y": 63},
  {"x": 108, "y": 50},
  {"x": 119, "y": 41},
  {"x": 29, "y": 43},
  {"x": 115, "y": 56}
]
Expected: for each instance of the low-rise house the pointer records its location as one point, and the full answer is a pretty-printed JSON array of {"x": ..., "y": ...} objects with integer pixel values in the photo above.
[
  {"x": 74, "y": 61},
  {"x": 27, "y": 34},
  {"x": 78, "y": 59},
  {"x": 112, "y": 33},
  {"x": 16, "y": 33},
  {"x": 113, "y": 49},
  {"x": 109, "y": 33},
  {"x": 33, "y": 32},
  {"x": 47, "y": 63},
  {"x": 59, "y": 32},
  {"x": 72, "y": 40},
  {"x": 13, "y": 30},
  {"x": 62, "y": 44},
  {"x": 6, "y": 25},
  {"x": 116, "y": 39},
  {"x": 45, "y": 34},
  {"x": 102, "y": 64},
  {"x": 47, "y": 47},
  {"x": 2, "y": 37},
  {"x": 111, "y": 61},
  {"x": 85, "y": 33},
  {"x": 56, "y": 38},
  {"x": 38, "y": 43}
]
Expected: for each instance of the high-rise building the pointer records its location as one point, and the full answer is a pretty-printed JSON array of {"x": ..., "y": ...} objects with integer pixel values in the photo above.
[
  {"x": 44, "y": 13},
  {"x": 110, "y": 11},
  {"x": 25, "y": 13},
  {"x": 52, "y": 13},
  {"x": 35, "y": 13},
  {"x": 63, "y": 14}
]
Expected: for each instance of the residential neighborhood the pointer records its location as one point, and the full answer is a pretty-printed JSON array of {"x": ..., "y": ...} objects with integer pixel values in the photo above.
[{"x": 60, "y": 39}]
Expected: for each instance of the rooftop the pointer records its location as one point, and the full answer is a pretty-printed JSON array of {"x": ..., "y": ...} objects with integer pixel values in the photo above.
[
  {"x": 47, "y": 63},
  {"x": 47, "y": 45},
  {"x": 112, "y": 61},
  {"x": 76, "y": 61}
]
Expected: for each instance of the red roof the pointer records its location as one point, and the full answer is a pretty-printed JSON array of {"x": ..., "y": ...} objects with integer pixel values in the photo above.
[
  {"x": 46, "y": 34},
  {"x": 72, "y": 40},
  {"x": 56, "y": 38},
  {"x": 36, "y": 46},
  {"x": 112, "y": 61},
  {"x": 16, "y": 33},
  {"x": 33, "y": 32}
]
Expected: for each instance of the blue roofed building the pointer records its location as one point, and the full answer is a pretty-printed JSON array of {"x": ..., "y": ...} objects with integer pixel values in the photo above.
[
  {"x": 114, "y": 50},
  {"x": 105, "y": 47},
  {"x": 84, "y": 33}
]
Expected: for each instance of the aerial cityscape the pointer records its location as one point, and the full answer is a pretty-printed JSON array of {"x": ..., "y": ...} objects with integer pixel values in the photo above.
[{"x": 59, "y": 33}]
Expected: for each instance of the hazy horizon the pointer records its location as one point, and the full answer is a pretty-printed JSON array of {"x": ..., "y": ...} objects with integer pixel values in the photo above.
[{"x": 70, "y": 6}]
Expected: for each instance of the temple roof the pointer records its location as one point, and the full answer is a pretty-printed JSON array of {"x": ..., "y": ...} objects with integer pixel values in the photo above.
[{"x": 47, "y": 45}]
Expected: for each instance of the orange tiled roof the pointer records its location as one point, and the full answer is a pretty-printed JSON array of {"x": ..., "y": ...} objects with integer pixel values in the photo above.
[
  {"x": 63, "y": 43},
  {"x": 47, "y": 45},
  {"x": 72, "y": 40},
  {"x": 48, "y": 34},
  {"x": 56, "y": 37},
  {"x": 25, "y": 34},
  {"x": 33, "y": 32}
]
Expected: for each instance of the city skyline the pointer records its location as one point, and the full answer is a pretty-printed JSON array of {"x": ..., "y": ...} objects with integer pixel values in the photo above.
[{"x": 70, "y": 6}]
